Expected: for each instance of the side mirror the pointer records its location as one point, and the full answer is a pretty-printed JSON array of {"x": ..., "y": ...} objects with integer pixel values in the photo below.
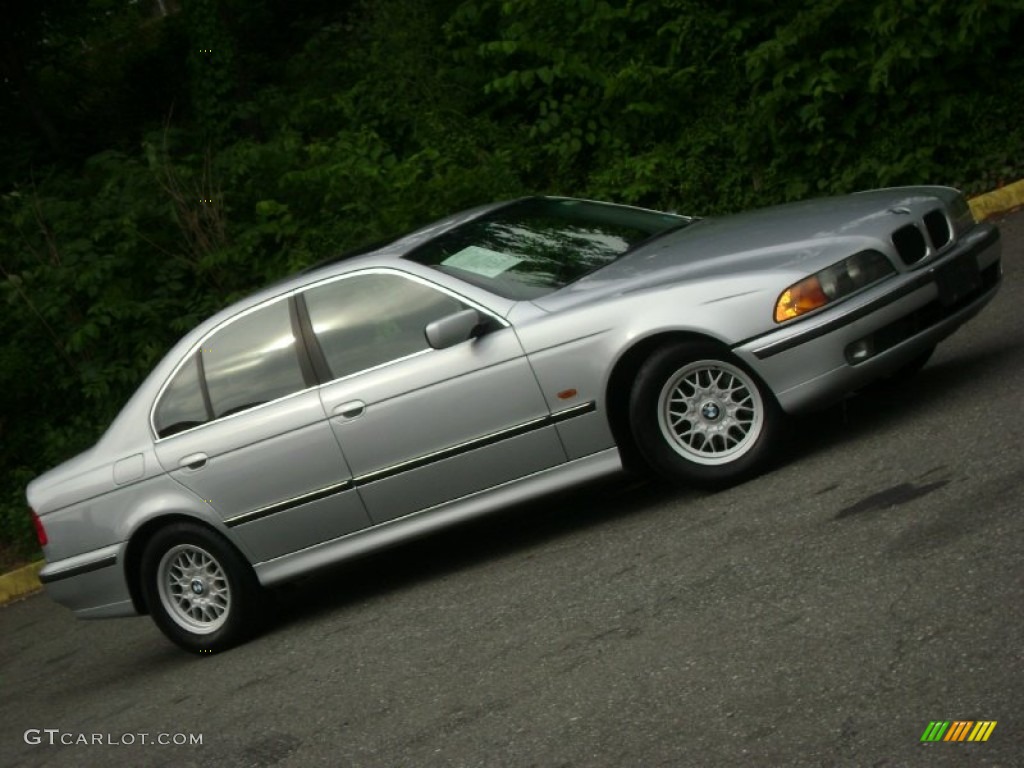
[{"x": 453, "y": 329}]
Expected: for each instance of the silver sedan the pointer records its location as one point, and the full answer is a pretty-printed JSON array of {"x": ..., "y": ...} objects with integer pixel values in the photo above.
[{"x": 498, "y": 354}]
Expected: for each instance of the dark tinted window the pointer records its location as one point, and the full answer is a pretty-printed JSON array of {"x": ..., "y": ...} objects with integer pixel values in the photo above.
[
  {"x": 367, "y": 320},
  {"x": 535, "y": 246},
  {"x": 251, "y": 361},
  {"x": 181, "y": 405}
]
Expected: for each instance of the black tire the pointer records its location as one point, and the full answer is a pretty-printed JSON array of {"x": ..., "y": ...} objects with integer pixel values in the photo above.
[
  {"x": 702, "y": 418},
  {"x": 199, "y": 590}
]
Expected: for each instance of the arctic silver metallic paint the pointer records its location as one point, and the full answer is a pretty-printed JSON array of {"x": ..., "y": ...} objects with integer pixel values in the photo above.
[{"x": 371, "y": 459}]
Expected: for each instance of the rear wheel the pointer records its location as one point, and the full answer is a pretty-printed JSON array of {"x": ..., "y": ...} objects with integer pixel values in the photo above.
[
  {"x": 200, "y": 591},
  {"x": 700, "y": 417}
]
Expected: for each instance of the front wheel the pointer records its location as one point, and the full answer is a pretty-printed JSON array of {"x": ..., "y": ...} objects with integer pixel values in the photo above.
[
  {"x": 700, "y": 417},
  {"x": 199, "y": 590}
]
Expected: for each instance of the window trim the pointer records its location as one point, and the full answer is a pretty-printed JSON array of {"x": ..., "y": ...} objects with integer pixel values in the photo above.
[
  {"x": 309, "y": 346},
  {"x": 321, "y": 370},
  {"x": 204, "y": 388},
  {"x": 306, "y": 362}
]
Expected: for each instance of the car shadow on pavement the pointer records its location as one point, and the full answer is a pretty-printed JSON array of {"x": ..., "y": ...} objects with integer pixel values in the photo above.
[{"x": 512, "y": 531}]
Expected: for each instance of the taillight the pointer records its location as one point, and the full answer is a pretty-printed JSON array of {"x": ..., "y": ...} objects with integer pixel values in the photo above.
[{"x": 37, "y": 524}]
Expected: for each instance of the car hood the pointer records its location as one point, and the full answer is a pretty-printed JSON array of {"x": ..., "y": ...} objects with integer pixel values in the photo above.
[{"x": 792, "y": 239}]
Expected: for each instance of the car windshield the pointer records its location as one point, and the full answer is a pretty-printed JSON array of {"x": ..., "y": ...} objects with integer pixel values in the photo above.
[{"x": 535, "y": 246}]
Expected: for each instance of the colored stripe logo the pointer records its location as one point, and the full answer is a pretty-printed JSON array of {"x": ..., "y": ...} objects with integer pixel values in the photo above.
[{"x": 958, "y": 730}]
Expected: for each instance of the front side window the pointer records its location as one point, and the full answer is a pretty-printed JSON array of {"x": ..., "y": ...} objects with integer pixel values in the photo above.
[{"x": 367, "y": 320}]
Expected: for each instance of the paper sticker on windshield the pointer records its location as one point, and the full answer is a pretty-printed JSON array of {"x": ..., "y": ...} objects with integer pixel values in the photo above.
[{"x": 481, "y": 261}]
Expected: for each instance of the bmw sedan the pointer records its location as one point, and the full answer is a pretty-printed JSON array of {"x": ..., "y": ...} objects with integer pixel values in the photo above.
[{"x": 493, "y": 356}]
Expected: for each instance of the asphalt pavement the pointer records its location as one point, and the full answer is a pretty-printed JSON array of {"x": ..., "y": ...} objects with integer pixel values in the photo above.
[{"x": 822, "y": 615}]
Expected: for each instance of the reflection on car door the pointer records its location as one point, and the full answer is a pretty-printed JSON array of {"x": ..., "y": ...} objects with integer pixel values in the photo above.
[
  {"x": 239, "y": 427},
  {"x": 420, "y": 427}
]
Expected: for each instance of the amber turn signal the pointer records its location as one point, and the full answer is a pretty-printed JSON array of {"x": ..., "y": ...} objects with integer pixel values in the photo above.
[{"x": 800, "y": 298}]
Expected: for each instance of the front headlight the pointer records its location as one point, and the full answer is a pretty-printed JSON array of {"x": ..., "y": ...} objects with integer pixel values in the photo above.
[{"x": 832, "y": 283}]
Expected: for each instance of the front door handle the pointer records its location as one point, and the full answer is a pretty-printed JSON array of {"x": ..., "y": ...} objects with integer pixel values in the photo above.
[
  {"x": 351, "y": 409},
  {"x": 194, "y": 461}
]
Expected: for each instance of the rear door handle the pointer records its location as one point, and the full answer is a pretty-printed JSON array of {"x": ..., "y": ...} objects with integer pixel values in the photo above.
[
  {"x": 194, "y": 461},
  {"x": 350, "y": 410}
]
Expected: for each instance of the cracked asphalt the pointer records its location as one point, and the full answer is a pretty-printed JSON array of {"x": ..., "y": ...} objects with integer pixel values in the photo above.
[{"x": 821, "y": 615}]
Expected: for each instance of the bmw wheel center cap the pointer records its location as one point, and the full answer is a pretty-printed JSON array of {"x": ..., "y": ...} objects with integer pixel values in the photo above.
[{"x": 711, "y": 410}]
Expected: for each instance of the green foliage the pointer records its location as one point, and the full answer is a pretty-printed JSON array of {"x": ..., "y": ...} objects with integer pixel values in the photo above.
[
  {"x": 721, "y": 105},
  {"x": 154, "y": 168},
  {"x": 211, "y": 66},
  {"x": 870, "y": 94}
]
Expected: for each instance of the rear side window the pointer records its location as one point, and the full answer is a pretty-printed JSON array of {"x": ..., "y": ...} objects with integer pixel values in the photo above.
[
  {"x": 181, "y": 406},
  {"x": 372, "y": 319},
  {"x": 253, "y": 360}
]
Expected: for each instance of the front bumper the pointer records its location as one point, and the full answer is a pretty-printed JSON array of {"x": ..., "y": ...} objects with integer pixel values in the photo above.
[{"x": 809, "y": 363}]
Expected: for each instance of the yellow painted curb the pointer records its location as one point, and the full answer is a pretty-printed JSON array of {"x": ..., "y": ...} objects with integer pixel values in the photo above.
[
  {"x": 20, "y": 583},
  {"x": 998, "y": 201}
]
